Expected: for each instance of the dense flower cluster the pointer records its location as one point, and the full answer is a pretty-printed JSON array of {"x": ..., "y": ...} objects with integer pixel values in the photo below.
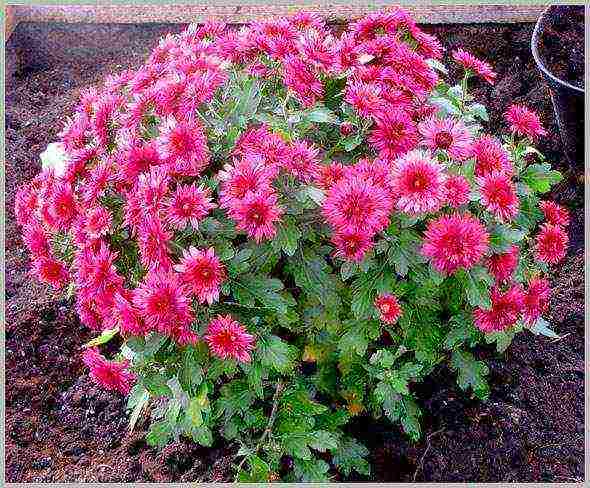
[{"x": 189, "y": 198}]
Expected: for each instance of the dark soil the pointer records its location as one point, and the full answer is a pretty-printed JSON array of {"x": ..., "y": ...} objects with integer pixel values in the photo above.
[
  {"x": 561, "y": 43},
  {"x": 60, "y": 427}
]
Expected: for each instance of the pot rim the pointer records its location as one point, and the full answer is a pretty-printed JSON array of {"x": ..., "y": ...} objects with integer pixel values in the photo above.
[{"x": 537, "y": 56}]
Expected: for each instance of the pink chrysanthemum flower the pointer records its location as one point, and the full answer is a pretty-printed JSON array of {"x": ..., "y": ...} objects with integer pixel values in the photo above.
[
  {"x": 125, "y": 316},
  {"x": 109, "y": 374},
  {"x": 377, "y": 172},
  {"x": 257, "y": 213},
  {"x": 498, "y": 195},
  {"x": 318, "y": 48},
  {"x": 502, "y": 265},
  {"x": 163, "y": 304},
  {"x": 61, "y": 209},
  {"x": 448, "y": 135},
  {"x": 536, "y": 300},
  {"x": 25, "y": 204},
  {"x": 355, "y": 203},
  {"x": 551, "y": 244},
  {"x": 419, "y": 183},
  {"x": 490, "y": 156},
  {"x": 524, "y": 122},
  {"x": 389, "y": 308},
  {"x": 138, "y": 158},
  {"x": 366, "y": 98},
  {"x": 183, "y": 146},
  {"x": 455, "y": 241},
  {"x": 154, "y": 240},
  {"x": 36, "y": 239},
  {"x": 477, "y": 66},
  {"x": 329, "y": 174},
  {"x": 51, "y": 271},
  {"x": 555, "y": 214},
  {"x": 228, "y": 339},
  {"x": 202, "y": 272},
  {"x": 302, "y": 80},
  {"x": 96, "y": 222},
  {"x": 246, "y": 175},
  {"x": 188, "y": 205},
  {"x": 352, "y": 244},
  {"x": 504, "y": 313},
  {"x": 95, "y": 267},
  {"x": 302, "y": 161},
  {"x": 457, "y": 190},
  {"x": 393, "y": 134},
  {"x": 88, "y": 313},
  {"x": 264, "y": 146}
]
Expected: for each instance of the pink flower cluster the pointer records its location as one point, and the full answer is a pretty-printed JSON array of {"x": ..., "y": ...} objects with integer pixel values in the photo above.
[{"x": 138, "y": 150}]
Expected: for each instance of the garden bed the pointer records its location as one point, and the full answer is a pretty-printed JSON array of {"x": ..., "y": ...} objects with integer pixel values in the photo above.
[{"x": 60, "y": 427}]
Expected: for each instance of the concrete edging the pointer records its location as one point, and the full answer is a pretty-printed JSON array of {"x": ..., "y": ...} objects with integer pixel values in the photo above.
[{"x": 137, "y": 14}]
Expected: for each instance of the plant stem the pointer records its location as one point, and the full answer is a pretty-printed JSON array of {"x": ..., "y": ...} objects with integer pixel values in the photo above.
[{"x": 268, "y": 430}]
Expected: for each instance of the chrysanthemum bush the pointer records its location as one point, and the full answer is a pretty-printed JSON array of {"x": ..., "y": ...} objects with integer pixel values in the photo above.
[{"x": 285, "y": 229}]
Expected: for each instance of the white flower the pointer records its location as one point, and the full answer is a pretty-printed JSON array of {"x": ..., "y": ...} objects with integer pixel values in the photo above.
[{"x": 55, "y": 157}]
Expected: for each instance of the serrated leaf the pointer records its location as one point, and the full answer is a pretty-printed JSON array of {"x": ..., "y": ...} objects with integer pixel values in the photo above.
[
  {"x": 502, "y": 237},
  {"x": 476, "y": 282},
  {"x": 503, "y": 339},
  {"x": 275, "y": 353},
  {"x": 471, "y": 373},
  {"x": 540, "y": 177},
  {"x": 478, "y": 110},
  {"x": 350, "y": 455},
  {"x": 322, "y": 440},
  {"x": 287, "y": 237},
  {"x": 156, "y": 384},
  {"x": 159, "y": 434},
  {"x": 258, "y": 473},
  {"x": 313, "y": 470}
]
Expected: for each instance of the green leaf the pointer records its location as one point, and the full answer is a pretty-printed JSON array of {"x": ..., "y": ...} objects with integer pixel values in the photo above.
[
  {"x": 437, "y": 65},
  {"x": 478, "y": 110},
  {"x": 462, "y": 331},
  {"x": 265, "y": 290},
  {"x": 159, "y": 434},
  {"x": 103, "y": 338},
  {"x": 502, "y": 237},
  {"x": 350, "y": 455},
  {"x": 354, "y": 340},
  {"x": 313, "y": 470},
  {"x": 352, "y": 141},
  {"x": 287, "y": 236},
  {"x": 322, "y": 440},
  {"x": 275, "y": 353},
  {"x": 529, "y": 213},
  {"x": 156, "y": 384},
  {"x": 258, "y": 473},
  {"x": 138, "y": 400},
  {"x": 446, "y": 107},
  {"x": 202, "y": 435},
  {"x": 404, "y": 252},
  {"x": 503, "y": 339},
  {"x": 471, "y": 373},
  {"x": 322, "y": 115},
  {"x": 540, "y": 177},
  {"x": 476, "y": 282}
]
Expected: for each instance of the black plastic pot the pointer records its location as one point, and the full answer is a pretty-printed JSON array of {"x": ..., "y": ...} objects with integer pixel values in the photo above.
[{"x": 568, "y": 100}]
